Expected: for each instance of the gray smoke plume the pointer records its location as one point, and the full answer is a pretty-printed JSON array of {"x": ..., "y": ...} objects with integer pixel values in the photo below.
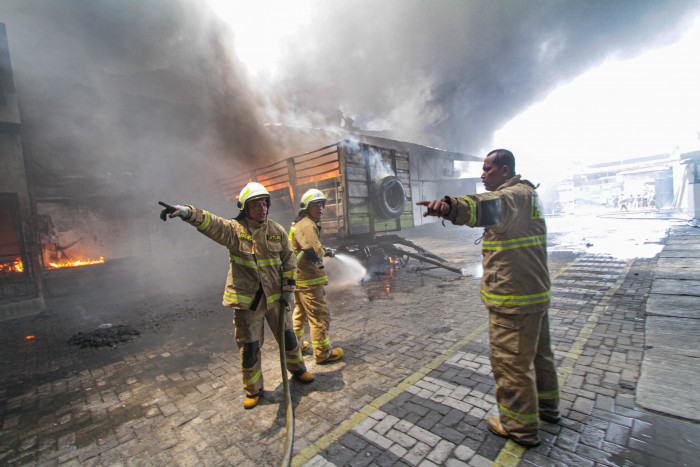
[
  {"x": 150, "y": 92},
  {"x": 125, "y": 103},
  {"x": 452, "y": 72},
  {"x": 143, "y": 93}
]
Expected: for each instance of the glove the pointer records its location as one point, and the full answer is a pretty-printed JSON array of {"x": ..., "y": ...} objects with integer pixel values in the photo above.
[
  {"x": 288, "y": 299},
  {"x": 330, "y": 252},
  {"x": 171, "y": 211}
]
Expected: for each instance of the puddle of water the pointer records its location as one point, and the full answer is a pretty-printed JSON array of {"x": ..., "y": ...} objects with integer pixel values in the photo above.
[
  {"x": 622, "y": 238},
  {"x": 376, "y": 286}
]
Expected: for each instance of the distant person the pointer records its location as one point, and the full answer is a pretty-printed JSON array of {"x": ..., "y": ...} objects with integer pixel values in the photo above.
[
  {"x": 515, "y": 288},
  {"x": 558, "y": 208},
  {"x": 310, "y": 295},
  {"x": 623, "y": 203},
  {"x": 262, "y": 273}
]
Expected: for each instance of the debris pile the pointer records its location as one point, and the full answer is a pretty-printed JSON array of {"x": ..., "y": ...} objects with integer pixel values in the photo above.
[{"x": 104, "y": 336}]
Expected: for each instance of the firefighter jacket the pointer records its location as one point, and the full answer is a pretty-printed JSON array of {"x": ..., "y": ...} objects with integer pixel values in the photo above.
[
  {"x": 516, "y": 276},
  {"x": 305, "y": 236},
  {"x": 260, "y": 255}
]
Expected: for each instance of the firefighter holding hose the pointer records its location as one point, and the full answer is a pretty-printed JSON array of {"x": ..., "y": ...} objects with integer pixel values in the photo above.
[
  {"x": 310, "y": 295},
  {"x": 262, "y": 274},
  {"x": 515, "y": 288}
]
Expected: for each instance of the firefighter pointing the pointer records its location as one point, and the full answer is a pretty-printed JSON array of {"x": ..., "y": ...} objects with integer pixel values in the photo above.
[
  {"x": 310, "y": 294},
  {"x": 515, "y": 288},
  {"x": 262, "y": 273}
]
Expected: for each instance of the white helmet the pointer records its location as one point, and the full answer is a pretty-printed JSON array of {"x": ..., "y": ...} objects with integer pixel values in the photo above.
[
  {"x": 311, "y": 196},
  {"x": 252, "y": 191}
]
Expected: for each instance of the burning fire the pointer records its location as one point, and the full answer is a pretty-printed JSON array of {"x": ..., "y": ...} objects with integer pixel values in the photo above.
[
  {"x": 15, "y": 266},
  {"x": 317, "y": 178},
  {"x": 271, "y": 185},
  {"x": 66, "y": 263}
]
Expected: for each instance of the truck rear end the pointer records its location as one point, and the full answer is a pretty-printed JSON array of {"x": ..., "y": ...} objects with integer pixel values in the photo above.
[{"x": 368, "y": 188}]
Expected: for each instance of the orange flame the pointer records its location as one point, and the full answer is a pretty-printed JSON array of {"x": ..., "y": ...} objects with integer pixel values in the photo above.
[
  {"x": 272, "y": 185},
  {"x": 318, "y": 178},
  {"x": 65, "y": 263},
  {"x": 16, "y": 266},
  {"x": 28, "y": 338}
]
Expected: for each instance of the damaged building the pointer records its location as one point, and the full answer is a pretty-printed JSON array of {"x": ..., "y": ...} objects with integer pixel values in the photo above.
[
  {"x": 74, "y": 189},
  {"x": 19, "y": 285},
  {"x": 89, "y": 154}
]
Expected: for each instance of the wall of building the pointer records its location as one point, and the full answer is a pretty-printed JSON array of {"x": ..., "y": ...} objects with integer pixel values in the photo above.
[
  {"x": 13, "y": 177},
  {"x": 18, "y": 252}
]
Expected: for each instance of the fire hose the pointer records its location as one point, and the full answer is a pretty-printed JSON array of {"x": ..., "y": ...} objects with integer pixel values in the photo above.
[{"x": 289, "y": 436}]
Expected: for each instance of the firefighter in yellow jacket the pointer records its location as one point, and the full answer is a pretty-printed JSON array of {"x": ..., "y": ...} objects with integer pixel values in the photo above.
[
  {"x": 516, "y": 291},
  {"x": 262, "y": 276},
  {"x": 310, "y": 295}
]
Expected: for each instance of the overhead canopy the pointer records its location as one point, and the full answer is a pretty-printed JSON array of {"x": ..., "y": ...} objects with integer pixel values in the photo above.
[
  {"x": 417, "y": 149},
  {"x": 688, "y": 157}
]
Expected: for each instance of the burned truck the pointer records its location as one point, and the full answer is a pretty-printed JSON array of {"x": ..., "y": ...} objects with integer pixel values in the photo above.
[{"x": 369, "y": 191}]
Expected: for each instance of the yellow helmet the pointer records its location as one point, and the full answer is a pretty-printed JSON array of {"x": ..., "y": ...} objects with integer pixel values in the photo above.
[
  {"x": 252, "y": 190},
  {"x": 311, "y": 196}
]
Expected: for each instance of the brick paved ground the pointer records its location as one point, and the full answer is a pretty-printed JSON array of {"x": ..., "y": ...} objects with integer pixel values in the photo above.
[
  {"x": 413, "y": 389},
  {"x": 597, "y": 322}
]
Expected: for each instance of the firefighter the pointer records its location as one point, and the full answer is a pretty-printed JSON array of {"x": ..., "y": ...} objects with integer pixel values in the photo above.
[
  {"x": 262, "y": 276},
  {"x": 310, "y": 295},
  {"x": 515, "y": 288}
]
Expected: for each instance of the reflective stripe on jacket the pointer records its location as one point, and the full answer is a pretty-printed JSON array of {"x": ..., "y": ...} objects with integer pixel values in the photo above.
[
  {"x": 259, "y": 253},
  {"x": 306, "y": 234},
  {"x": 516, "y": 276}
]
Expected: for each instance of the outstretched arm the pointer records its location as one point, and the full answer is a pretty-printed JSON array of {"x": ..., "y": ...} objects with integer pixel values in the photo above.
[{"x": 218, "y": 229}]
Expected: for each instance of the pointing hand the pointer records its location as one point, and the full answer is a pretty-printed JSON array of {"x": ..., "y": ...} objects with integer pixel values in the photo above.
[
  {"x": 176, "y": 210},
  {"x": 436, "y": 208}
]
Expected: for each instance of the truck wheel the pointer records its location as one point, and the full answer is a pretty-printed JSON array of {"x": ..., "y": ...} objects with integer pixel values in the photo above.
[{"x": 390, "y": 199}]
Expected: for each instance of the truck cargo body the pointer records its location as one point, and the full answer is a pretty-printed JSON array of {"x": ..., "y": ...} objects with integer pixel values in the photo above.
[{"x": 368, "y": 187}]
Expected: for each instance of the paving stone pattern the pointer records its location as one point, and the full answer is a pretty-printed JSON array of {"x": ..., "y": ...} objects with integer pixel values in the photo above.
[
  {"x": 440, "y": 420},
  {"x": 414, "y": 388},
  {"x": 670, "y": 376}
]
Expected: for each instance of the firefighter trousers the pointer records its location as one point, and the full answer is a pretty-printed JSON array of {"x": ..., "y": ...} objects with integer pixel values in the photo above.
[
  {"x": 523, "y": 367},
  {"x": 249, "y": 334},
  {"x": 311, "y": 306}
]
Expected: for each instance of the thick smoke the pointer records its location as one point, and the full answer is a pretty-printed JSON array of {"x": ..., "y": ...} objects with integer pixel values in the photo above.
[
  {"x": 142, "y": 95},
  {"x": 450, "y": 73},
  {"x": 149, "y": 94},
  {"x": 126, "y": 102}
]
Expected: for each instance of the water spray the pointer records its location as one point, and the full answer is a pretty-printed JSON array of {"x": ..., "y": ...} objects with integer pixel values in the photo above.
[{"x": 353, "y": 270}]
